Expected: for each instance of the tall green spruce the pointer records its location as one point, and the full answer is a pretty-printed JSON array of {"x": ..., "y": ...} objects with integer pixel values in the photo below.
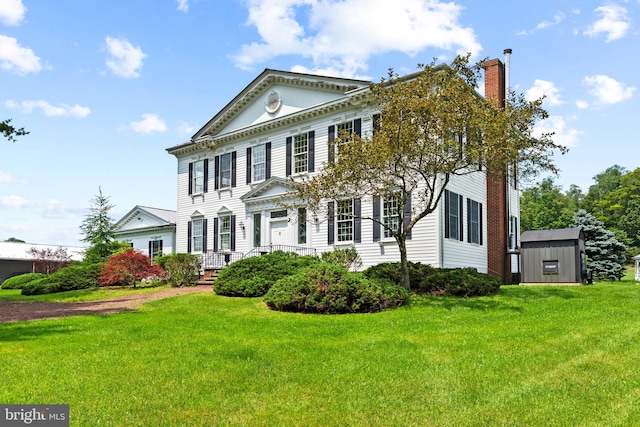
[
  {"x": 98, "y": 229},
  {"x": 605, "y": 254}
]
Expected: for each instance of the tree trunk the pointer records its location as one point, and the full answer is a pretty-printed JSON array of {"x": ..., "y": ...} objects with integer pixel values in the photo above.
[{"x": 404, "y": 262}]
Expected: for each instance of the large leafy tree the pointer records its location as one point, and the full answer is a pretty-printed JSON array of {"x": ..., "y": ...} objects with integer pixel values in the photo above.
[
  {"x": 432, "y": 126},
  {"x": 10, "y": 132},
  {"x": 545, "y": 207},
  {"x": 98, "y": 229},
  {"x": 605, "y": 254}
]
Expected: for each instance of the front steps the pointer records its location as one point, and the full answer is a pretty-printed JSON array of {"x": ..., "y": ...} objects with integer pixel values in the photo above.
[{"x": 208, "y": 277}]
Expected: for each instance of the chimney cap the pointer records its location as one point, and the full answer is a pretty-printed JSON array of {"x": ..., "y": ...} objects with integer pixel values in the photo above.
[{"x": 507, "y": 51}]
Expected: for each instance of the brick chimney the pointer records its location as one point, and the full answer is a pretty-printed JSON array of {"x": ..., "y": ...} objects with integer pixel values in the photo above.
[{"x": 499, "y": 264}]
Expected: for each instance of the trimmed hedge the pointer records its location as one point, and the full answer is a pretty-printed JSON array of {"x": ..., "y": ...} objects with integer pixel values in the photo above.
[
  {"x": 459, "y": 282},
  {"x": 181, "y": 269},
  {"x": 425, "y": 279},
  {"x": 73, "y": 277},
  {"x": 253, "y": 276},
  {"x": 332, "y": 289},
  {"x": 20, "y": 281}
]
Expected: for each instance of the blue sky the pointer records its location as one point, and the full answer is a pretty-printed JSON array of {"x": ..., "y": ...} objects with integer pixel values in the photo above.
[{"x": 105, "y": 86}]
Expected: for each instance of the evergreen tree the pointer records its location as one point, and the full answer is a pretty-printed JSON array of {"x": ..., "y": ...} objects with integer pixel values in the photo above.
[
  {"x": 606, "y": 255},
  {"x": 98, "y": 229},
  {"x": 9, "y": 131}
]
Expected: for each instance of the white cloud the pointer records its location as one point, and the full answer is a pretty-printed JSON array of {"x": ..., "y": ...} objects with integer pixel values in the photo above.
[
  {"x": 582, "y": 104},
  {"x": 614, "y": 22},
  {"x": 8, "y": 178},
  {"x": 17, "y": 59},
  {"x": 183, "y": 5},
  {"x": 49, "y": 208},
  {"x": 125, "y": 60},
  {"x": 150, "y": 123},
  {"x": 544, "y": 88},
  {"x": 608, "y": 90},
  {"x": 12, "y": 12},
  {"x": 340, "y": 36},
  {"x": 14, "y": 202},
  {"x": 185, "y": 128},
  {"x": 557, "y": 19},
  {"x": 62, "y": 110},
  {"x": 563, "y": 135}
]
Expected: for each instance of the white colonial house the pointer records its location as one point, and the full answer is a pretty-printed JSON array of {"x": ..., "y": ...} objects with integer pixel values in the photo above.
[
  {"x": 151, "y": 231},
  {"x": 234, "y": 171}
]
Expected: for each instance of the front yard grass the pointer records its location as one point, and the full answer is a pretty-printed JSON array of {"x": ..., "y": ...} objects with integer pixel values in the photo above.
[
  {"x": 82, "y": 295},
  {"x": 528, "y": 356}
]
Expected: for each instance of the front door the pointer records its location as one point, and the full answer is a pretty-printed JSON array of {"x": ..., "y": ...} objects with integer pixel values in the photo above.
[{"x": 279, "y": 232}]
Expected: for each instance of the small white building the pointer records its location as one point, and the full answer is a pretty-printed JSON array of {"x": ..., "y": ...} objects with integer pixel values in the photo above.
[
  {"x": 15, "y": 258},
  {"x": 636, "y": 260},
  {"x": 151, "y": 231},
  {"x": 235, "y": 169}
]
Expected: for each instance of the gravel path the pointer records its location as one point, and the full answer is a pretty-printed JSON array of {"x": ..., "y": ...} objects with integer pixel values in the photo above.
[{"x": 14, "y": 311}]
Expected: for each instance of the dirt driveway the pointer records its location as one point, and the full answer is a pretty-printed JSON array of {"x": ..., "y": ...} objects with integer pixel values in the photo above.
[{"x": 14, "y": 311}]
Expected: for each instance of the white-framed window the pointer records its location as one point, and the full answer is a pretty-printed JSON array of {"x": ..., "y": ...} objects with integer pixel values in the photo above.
[
  {"x": 197, "y": 234},
  {"x": 300, "y": 153},
  {"x": 225, "y": 170},
  {"x": 344, "y": 220},
  {"x": 390, "y": 216},
  {"x": 453, "y": 215},
  {"x": 155, "y": 248},
  {"x": 474, "y": 222},
  {"x": 258, "y": 158},
  {"x": 198, "y": 177},
  {"x": 225, "y": 232}
]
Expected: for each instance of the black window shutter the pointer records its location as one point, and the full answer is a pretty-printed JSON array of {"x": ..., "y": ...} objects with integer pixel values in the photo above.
[
  {"x": 357, "y": 127},
  {"x": 248, "y": 165},
  {"x": 332, "y": 148},
  {"x": 376, "y": 219},
  {"x": 160, "y": 246},
  {"x": 480, "y": 221},
  {"x": 190, "y": 179},
  {"x": 215, "y": 234},
  {"x": 376, "y": 123},
  {"x": 267, "y": 160},
  {"x": 460, "y": 221},
  {"x": 233, "y": 169},
  {"x": 312, "y": 151},
  {"x": 357, "y": 221},
  {"x": 469, "y": 220},
  {"x": 288, "y": 158},
  {"x": 204, "y": 235},
  {"x": 446, "y": 214},
  {"x": 189, "y": 237},
  {"x": 206, "y": 175},
  {"x": 150, "y": 248},
  {"x": 330, "y": 224},
  {"x": 233, "y": 232},
  {"x": 407, "y": 215},
  {"x": 216, "y": 172}
]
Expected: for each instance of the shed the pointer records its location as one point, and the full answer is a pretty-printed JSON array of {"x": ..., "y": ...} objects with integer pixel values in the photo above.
[
  {"x": 554, "y": 257},
  {"x": 636, "y": 260}
]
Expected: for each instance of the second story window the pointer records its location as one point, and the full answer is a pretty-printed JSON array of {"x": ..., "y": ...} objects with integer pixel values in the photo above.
[
  {"x": 300, "y": 148},
  {"x": 258, "y": 163},
  {"x": 225, "y": 170},
  {"x": 198, "y": 176},
  {"x": 301, "y": 153}
]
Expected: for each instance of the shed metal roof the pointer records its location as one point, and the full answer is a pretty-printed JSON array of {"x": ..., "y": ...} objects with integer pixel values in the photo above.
[{"x": 551, "y": 235}]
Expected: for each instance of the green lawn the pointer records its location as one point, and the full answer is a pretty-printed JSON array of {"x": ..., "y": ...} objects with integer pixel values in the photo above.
[{"x": 528, "y": 356}]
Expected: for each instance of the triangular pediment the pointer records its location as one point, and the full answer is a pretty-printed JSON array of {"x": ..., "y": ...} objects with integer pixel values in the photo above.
[
  {"x": 272, "y": 188},
  {"x": 274, "y": 95},
  {"x": 145, "y": 217}
]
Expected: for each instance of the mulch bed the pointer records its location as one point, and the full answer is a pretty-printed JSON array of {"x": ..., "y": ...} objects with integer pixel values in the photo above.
[{"x": 19, "y": 311}]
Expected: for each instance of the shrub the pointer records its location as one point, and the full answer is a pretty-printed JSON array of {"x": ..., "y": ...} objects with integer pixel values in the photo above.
[
  {"x": 393, "y": 271},
  {"x": 348, "y": 258},
  {"x": 331, "y": 289},
  {"x": 73, "y": 277},
  {"x": 253, "y": 276},
  {"x": 128, "y": 268},
  {"x": 180, "y": 269},
  {"x": 461, "y": 282},
  {"x": 18, "y": 282}
]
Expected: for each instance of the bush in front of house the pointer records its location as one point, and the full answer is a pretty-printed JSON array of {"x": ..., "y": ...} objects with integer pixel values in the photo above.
[
  {"x": 181, "y": 269},
  {"x": 73, "y": 277},
  {"x": 393, "y": 271},
  {"x": 347, "y": 257},
  {"x": 253, "y": 276},
  {"x": 128, "y": 268},
  {"x": 459, "y": 282},
  {"x": 20, "y": 281},
  {"x": 332, "y": 289}
]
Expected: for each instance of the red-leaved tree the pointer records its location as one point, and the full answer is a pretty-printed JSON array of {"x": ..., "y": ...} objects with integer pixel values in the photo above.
[{"x": 128, "y": 268}]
